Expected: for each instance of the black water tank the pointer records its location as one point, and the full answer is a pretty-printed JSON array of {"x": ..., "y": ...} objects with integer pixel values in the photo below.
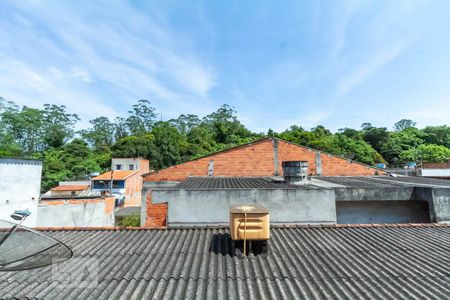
[{"x": 294, "y": 171}]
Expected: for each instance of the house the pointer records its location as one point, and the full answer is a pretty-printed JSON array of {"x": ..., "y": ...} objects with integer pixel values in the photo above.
[
  {"x": 95, "y": 203},
  {"x": 20, "y": 184},
  {"x": 124, "y": 181},
  {"x": 69, "y": 188},
  {"x": 261, "y": 158},
  {"x": 435, "y": 170},
  {"x": 407, "y": 261},
  {"x": 200, "y": 201}
]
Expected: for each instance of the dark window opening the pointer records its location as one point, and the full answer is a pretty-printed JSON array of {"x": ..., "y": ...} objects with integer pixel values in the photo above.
[
  {"x": 131, "y": 167},
  {"x": 105, "y": 184}
]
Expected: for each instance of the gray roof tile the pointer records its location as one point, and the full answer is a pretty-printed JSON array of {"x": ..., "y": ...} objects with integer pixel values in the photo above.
[
  {"x": 303, "y": 262},
  {"x": 212, "y": 183}
]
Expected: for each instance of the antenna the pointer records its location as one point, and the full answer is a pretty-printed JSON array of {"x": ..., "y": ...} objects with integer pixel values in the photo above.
[{"x": 22, "y": 248}]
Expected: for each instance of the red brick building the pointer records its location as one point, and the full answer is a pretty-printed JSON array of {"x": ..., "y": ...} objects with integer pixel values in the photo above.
[{"x": 259, "y": 158}]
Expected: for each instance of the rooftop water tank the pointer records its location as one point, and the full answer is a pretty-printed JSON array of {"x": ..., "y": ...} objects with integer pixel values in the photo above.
[
  {"x": 249, "y": 228},
  {"x": 295, "y": 171}
]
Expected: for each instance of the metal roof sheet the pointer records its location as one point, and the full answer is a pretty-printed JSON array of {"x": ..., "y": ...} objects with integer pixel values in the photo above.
[
  {"x": 212, "y": 182},
  {"x": 303, "y": 263},
  {"x": 316, "y": 182}
]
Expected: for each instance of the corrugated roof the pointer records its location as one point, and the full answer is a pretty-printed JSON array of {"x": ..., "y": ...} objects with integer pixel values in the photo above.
[
  {"x": 384, "y": 181},
  {"x": 117, "y": 175},
  {"x": 70, "y": 188},
  {"x": 211, "y": 183},
  {"x": 303, "y": 263},
  {"x": 236, "y": 182}
]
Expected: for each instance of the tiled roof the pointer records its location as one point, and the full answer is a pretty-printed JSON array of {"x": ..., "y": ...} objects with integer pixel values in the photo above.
[
  {"x": 117, "y": 175},
  {"x": 209, "y": 183},
  {"x": 386, "y": 262},
  {"x": 70, "y": 188}
]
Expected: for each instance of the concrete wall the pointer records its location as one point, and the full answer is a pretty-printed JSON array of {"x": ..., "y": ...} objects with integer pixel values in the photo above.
[
  {"x": 68, "y": 213},
  {"x": 212, "y": 206},
  {"x": 382, "y": 194},
  {"x": 438, "y": 200},
  {"x": 20, "y": 184},
  {"x": 382, "y": 212}
]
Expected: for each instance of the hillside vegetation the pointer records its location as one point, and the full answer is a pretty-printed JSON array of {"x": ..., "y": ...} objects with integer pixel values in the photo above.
[{"x": 48, "y": 134}]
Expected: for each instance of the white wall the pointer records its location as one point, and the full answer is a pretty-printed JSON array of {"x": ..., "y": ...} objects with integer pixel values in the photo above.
[
  {"x": 20, "y": 183},
  {"x": 74, "y": 215},
  {"x": 125, "y": 162}
]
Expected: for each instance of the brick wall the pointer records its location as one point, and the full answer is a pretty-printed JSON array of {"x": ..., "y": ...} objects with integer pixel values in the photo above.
[
  {"x": 257, "y": 159},
  {"x": 156, "y": 213},
  {"x": 133, "y": 190},
  {"x": 331, "y": 165},
  {"x": 133, "y": 185}
]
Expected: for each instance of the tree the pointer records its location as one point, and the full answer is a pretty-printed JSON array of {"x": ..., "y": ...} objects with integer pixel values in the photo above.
[
  {"x": 427, "y": 153},
  {"x": 439, "y": 135},
  {"x": 73, "y": 161},
  {"x": 226, "y": 127},
  {"x": 57, "y": 125},
  {"x": 403, "y": 124},
  {"x": 101, "y": 134},
  {"x": 141, "y": 118},
  {"x": 120, "y": 128},
  {"x": 185, "y": 123},
  {"x": 400, "y": 141},
  {"x": 366, "y": 126},
  {"x": 171, "y": 145},
  {"x": 134, "y": 146},
  {"x": 375, "y": 136},
  {"x": 201, "y": 142},
  {"x": 24, "y": 127}
]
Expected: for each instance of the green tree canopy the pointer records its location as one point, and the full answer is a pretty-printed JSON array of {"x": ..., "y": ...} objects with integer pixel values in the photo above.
[
  {"x": 427, "y": 153},
  {"x": 403, "y": 124}
]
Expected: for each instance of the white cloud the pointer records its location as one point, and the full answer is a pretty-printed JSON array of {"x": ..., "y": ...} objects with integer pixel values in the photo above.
[
  {"x": 83, "y": 75},
  {"x": 121, "y": 52},
  {"x": 361, "y": 73}
]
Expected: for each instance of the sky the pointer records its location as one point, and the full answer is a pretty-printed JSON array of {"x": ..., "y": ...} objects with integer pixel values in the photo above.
[{"x": 278, "y": 63}]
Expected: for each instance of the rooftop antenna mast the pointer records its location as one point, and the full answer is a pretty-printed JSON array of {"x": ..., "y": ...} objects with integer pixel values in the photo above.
[{"x": 18, "y": 215}]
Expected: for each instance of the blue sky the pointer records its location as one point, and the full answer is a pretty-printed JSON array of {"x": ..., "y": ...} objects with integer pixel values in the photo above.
[{"x": 279, "y": 63}]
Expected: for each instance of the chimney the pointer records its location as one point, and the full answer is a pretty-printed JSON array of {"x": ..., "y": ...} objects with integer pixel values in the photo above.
[{"x": 295, "y": 172}]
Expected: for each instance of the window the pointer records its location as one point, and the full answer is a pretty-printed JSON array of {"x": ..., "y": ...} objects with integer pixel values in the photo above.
[
  {"x": 72, "y": 193},
  {"x": 118, "y": 167},
  {"x": 106, "y": 185},
  {"x": 131, "y": 167}
]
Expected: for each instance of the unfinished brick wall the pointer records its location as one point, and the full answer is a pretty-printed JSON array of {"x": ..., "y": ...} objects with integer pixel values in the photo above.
[
  {"x": 156, "y": 213},
  {"x": 331, "y": 165},
  {"x": 257, "y": 159}
]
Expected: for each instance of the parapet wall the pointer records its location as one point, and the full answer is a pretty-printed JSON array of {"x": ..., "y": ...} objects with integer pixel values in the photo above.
[
  {"x": 212, "y": 207},
  {"x": 92, "y": 212}
]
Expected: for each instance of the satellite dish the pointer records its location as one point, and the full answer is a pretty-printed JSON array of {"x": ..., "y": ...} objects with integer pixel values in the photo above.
[{"x": 22, "y": 248}]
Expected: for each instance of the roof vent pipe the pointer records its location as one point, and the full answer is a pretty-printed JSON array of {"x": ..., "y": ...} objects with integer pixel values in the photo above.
[{"x": 295, "y": 172}]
